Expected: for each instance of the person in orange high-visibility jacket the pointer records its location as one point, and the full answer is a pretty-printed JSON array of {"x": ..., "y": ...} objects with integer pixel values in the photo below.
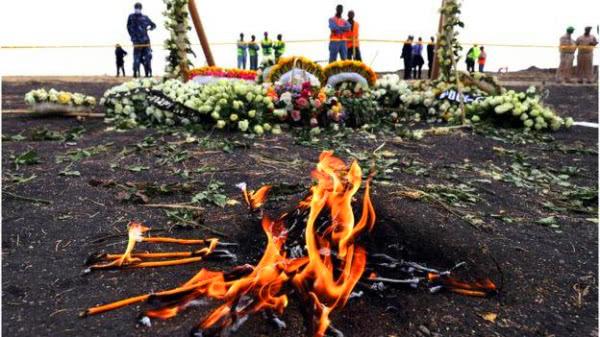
[
  {"x": 337, "y": 40},
  {"x": 353, "y": 42}
]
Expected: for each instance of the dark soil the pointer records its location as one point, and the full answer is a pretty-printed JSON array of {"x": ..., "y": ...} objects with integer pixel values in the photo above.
[{"x": 547, "y": 273}]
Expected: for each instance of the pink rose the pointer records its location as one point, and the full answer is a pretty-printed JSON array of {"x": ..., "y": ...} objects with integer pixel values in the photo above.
[
  {"x": 302, "y": 103},
  {"x": 296, "y": 116},
  {"x": 317, "y": 103}
]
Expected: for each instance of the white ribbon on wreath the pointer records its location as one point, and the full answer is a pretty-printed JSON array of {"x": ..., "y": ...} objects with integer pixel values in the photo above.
[
  {"x": 334, "y": 80},
  {"x": 299, "y": 76}
]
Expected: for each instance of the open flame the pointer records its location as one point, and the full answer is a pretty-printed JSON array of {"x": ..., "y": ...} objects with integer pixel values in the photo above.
[
  {"x": 253, "y": 199},
  {"x": 324, "y": 275}
]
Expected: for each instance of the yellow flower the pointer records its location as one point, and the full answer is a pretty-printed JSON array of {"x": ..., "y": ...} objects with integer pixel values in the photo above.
[{"x": 64, "y": 98}]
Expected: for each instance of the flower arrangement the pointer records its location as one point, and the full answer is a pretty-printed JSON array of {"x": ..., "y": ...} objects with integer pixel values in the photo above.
[
  {"x": 63, "y": 98},
  {"x": 299, "y": 105},
  {"x": 125, "y": 103},
  {"x": 218, "y": 72},
  {"x": 334, "y": 72},
  {"x": 507, "y": 106},
  {"x": 287, "y": 64},
  {"x": 238, "y": 105},
  {"x": 524, "y": 108},
  {"x": 388, "y": 90},
  {"x": 354, "y": 102},
  {"x": 178, "y": 43}
]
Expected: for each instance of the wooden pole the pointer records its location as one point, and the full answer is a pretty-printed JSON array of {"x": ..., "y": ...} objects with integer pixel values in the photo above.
[
  {"x": 201, "y": 34},
  {"x": 435, "y": 72}
]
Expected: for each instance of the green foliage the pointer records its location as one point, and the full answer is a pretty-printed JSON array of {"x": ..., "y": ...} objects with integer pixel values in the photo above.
[
  {"x": 26, "y": 158},
  {"x": 68, "y": 172},
  {"x": 212, "y": 194},
  {"x": 456, "y": 195},
  {"x": 13, "y": 138},
  {"x": 137, "y": 168},
  {"x": 79, "y": 154}
]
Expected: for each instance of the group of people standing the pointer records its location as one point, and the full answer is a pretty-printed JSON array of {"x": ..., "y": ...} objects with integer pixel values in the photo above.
[
  {"x": 343, "y": 38},
  {"x": 477, "y": 55},
  {"x": 412, "y": 54},
  {"x": 270, "y": 50},
  {"x": 344, "y": 42},
  {"x": 138, "y": 25},
  {"x": 584, "y": 46}
]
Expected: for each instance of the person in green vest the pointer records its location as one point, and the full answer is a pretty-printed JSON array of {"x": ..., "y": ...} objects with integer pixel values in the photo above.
[
  {"x": 242, "y": 48},
  {"x": 472, "y": 57},
  {"x": 253, "y": 52},
  {"x": 267, "y": 46},
  {"x": 278, "y": 47}
]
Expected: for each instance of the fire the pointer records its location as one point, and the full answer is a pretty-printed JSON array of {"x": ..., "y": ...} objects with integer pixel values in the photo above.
[
  {"x": 324, "y": 275},
  {"x": 318, "y": 281},
  {"x": 253, "y": 199},
  {"x": 479, "y": 288},
  {"x": 130, "y": 259}
]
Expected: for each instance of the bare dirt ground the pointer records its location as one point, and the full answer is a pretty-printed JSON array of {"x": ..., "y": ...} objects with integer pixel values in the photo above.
[{"x": 496, "y": 201}]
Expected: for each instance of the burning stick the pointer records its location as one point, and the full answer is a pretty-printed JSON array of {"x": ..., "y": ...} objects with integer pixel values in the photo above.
[
  {"x": 200, "y": 279},
  {"x": 135, "y": 231},
  {"x": 253, "y": 199},
  {"x": 158, "y": 239},
  {"x": 480, "y": 288},
  {"x": 432, "y": 279},
  {"x": 135, "y": 260}
]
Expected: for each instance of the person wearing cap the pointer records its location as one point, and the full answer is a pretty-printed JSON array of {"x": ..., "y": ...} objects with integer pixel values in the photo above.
[
  {"x": 138, "y": 26},
  {"x": 253, "y": 53},
  {"x": 267, "y": 46},
  {"x": 566, "y": 49},
  {"x": 353, "y": 42},
  {"x": 242, "y": 52},
  {"x": 339, "y": 29},
  {"x": 120, "y": 56},
  {"x": 278, "y": 47},
  {"x": 585, "y": 55}
]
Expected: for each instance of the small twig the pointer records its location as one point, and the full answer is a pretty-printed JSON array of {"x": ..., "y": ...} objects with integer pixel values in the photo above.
[
  {"x": 452, "y": 127},
  {"x": 195, "y": 223},
  {"x": 261, "y": 146},
  {"x": 378, "y": 148},
  {"x": 58, "y": 312},
  {"x": 92, "y": 201},
  {"x": 201, "y": 153},
  {"x": 16, "y": 196},
  {"x": 175, "y": 206}
]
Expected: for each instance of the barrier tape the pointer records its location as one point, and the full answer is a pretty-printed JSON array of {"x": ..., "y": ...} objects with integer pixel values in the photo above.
[{"x": 287, "y": 42}]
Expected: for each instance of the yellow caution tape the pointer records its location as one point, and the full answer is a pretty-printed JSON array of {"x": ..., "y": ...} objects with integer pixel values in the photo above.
[{"x": 290, "y": 41}]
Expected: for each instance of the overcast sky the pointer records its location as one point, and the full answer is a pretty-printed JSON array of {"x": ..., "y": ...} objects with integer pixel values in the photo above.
[{"x": 102, "y": 22}]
